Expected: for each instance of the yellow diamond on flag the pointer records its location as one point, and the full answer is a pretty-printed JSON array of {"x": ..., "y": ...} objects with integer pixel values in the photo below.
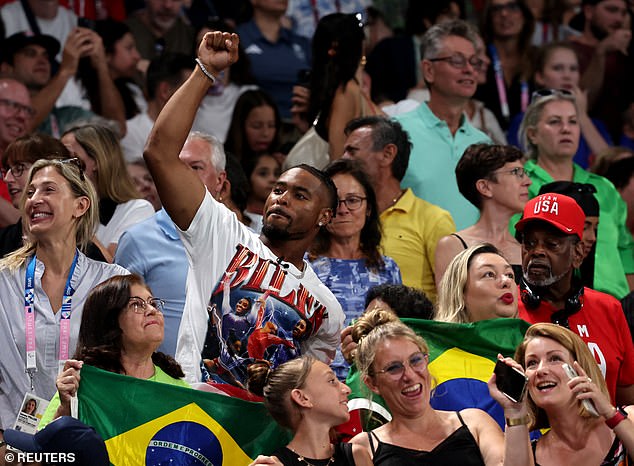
[
  {"x": 186, "y": 436},
  {"x": 455, "y": 362}
]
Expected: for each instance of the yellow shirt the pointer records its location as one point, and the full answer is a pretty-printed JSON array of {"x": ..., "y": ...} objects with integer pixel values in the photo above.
[{"x": 411, "y": 230}]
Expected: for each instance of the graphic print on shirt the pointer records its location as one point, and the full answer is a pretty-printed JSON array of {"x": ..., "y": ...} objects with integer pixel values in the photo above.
[{"x": 256, "y": 313}]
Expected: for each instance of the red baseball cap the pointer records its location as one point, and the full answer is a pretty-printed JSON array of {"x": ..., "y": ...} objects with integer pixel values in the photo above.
[{"x": 559, "y": 210}]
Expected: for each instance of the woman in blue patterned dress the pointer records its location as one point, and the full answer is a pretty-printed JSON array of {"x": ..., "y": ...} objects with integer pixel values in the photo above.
[{"x": 345, "y": 254}]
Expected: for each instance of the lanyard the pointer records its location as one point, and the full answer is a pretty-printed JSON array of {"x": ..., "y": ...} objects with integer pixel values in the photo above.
[
  {"x": 501, "y": 86},
  {"x": 29, "y": 316}
]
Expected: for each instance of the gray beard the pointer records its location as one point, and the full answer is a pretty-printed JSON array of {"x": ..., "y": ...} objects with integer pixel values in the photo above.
[{"x": 546, "y": 281}]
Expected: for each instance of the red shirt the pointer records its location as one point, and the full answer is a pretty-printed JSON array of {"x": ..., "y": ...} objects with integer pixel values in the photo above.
[{"x": 602, "y": 326}]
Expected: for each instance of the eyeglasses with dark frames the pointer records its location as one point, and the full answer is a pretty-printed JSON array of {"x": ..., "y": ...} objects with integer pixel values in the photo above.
[
  {"x": 16, "y": 170},
  {"x": 519, "y": 172},
  {"x": 396, "y": 369},
  {"x": 139, "y": 305},
  {"x": 17, "y": 107},
  {"x": 541, "y": 93},
  {"x": 352, "y": 202},
  {"x": 459, "y": 61}
]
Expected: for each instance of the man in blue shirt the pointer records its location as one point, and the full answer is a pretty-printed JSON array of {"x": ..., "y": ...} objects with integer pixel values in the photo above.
[
  {"x": 277, "y": 54},
  {"x": 153, "y": 248}
]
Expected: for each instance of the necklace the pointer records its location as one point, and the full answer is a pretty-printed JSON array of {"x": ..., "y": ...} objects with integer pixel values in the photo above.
[
  {"x": 304, "y": 460},
  {"x": 395, "y": 199}
]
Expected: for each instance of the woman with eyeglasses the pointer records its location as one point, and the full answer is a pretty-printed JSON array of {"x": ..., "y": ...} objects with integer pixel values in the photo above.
[
  {"x": 561, "y": 402},
  {"x": 337, "y": 94},
  {"x": 507, "y": 28},
  {"x": 557, "y": 67},
  {"x": 121, "y": 328},
  {"x": 550, "y": 132},
  {"x": 392, "y": 361},
  {"x": 345, "y": 255},
  {"x": 304, "y": 395},
  {"x": 492, "y": 178},
  {"x": 120, "y": 204},
  {"x": 44, "y": 284}
]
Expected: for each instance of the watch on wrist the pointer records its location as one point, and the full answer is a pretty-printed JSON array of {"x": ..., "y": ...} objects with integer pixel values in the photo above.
[{"x": 619, "y": 415}]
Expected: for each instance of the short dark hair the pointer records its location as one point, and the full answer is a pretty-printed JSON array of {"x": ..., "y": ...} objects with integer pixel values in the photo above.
[
  {"x": 405, "y": 301},
  {"x": 386, "y": 131},
  {"x": 479, "y": 161},
  {"x": 32, "y": 147},
  {"x": 166, "y": 68},
  {"x": 326, "y": 181}
]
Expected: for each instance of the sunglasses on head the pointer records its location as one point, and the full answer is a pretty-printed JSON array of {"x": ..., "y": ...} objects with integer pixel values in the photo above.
[{"x": 541, "y": 93}]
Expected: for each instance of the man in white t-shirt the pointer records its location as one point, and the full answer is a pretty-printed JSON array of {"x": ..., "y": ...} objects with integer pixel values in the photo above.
[{"x": 249, "y": 298}]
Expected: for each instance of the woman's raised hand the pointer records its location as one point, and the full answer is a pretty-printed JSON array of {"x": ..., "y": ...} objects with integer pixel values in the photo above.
[{"x": 67, "y": 383}]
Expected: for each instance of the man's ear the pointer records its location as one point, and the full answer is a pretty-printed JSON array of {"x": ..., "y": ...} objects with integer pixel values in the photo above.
[
  {"x": 577, "y": 255},
  {"x": 427, "y": 68},
  {"x": 325, "y": 217},
  {"x": 389, "y": 154}
]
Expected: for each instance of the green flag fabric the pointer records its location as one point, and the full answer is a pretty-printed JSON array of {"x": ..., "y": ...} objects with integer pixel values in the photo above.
[
  {"x": 151, "y": 423},
  {"x": 461, "y": 361}
]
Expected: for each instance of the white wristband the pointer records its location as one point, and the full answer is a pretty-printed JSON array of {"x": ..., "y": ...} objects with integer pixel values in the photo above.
[{"x": 205, "y": 71}]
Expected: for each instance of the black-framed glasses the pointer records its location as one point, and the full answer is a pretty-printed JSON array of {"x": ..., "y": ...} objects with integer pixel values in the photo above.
[
  {"x": 139, "y": 305},
  {"x": 541, "y": 93},
  {"x": 518, "y": 172},
  {"x": 396, "y": 369},
  {"x": 351, "y": 202},
  {"x": 459, "y": 61},
  {"x": 75, "y": 162},
  {"x": 511, "y": 7},
  {"x": 16, "y": 170},
  {"x": 17, "y": 107}
]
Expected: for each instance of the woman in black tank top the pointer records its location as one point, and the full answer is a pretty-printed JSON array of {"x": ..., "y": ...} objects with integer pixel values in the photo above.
[
  {"x": 392, "y": 361},
  {"x": 492, "y": 178},
  {"x": 305, "y": 396}
]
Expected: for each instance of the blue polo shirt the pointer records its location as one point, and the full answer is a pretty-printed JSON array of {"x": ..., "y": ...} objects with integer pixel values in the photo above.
[
  {"x": 432, "y": 164},
  {"x": 275, "y": 64}
]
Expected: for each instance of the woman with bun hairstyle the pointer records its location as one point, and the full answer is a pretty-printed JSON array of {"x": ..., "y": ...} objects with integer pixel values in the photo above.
[
  {"x": 305, "y": 396},
  {"x": 393, "y": 362}
]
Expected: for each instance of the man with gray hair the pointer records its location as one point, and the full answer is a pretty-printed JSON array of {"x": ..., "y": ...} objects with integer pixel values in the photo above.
[
  {"x": 163, "y": 265},
  {"x": 438, "y": 129}
]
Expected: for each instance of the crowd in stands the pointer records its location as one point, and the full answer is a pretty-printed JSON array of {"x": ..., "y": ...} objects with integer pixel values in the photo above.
[{"x": 256, "y": 192}]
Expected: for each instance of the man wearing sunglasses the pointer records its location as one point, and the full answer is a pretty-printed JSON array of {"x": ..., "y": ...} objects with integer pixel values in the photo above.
[
  {"x": 438, "y": 129},
  {"x": 550, "y": 233}
]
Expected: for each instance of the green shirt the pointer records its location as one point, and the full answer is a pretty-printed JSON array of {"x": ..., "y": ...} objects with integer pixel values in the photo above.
[
  {"x": 431, "y": 172},
  {"x": 614, "y": 257}
]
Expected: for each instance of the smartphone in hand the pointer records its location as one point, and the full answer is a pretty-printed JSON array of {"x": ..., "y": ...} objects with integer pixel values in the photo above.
[
  {"x": 588, "y": 404},
  {"x": 510, "y": 381}
]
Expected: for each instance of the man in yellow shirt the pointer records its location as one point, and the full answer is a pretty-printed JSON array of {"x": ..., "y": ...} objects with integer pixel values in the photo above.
[{"x": 411, "y": 226}]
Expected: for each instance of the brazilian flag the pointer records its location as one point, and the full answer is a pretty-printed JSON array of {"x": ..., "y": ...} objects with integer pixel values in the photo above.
[
  {"x": 461, "y": 361},
  {"x": 150, "y": 423}
]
